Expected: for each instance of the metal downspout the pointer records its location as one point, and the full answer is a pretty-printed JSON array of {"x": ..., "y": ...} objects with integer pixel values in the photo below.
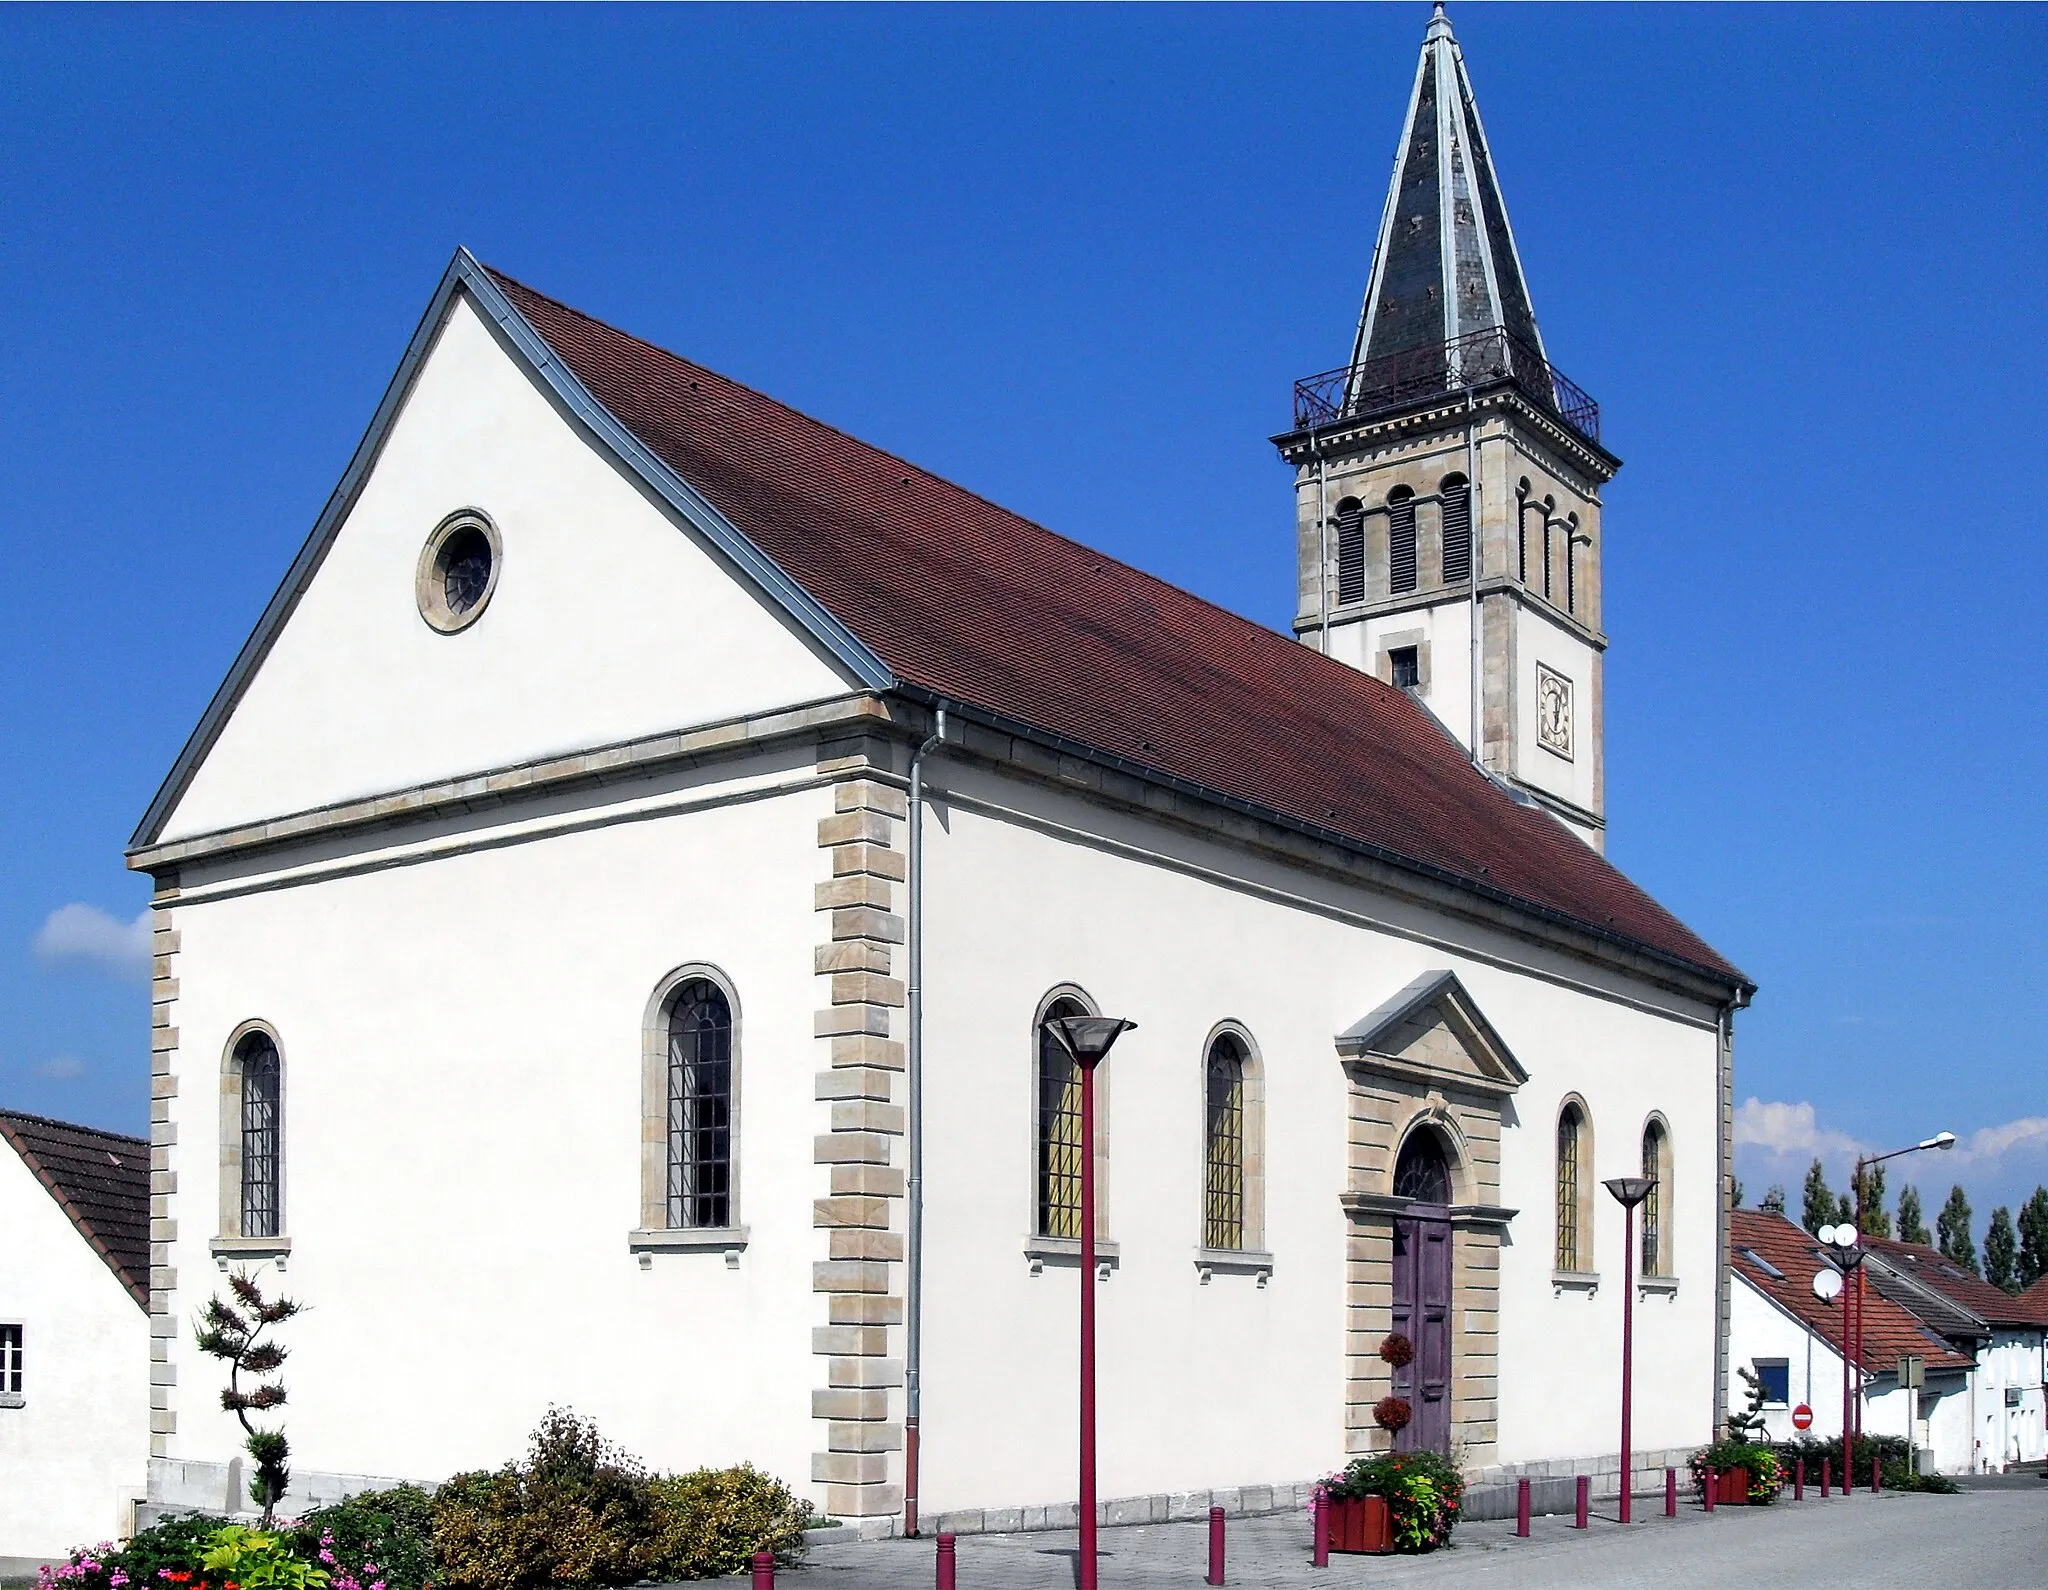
[
  {"x": 913, "y": 1245},
  {"x": 1323, "y": 551},
  {"x": 1476, "y": 536},
  {"x": 1724, "y": 1104}
]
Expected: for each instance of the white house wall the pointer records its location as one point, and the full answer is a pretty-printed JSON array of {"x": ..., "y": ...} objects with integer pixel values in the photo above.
[
  {"x": 1228, "y": 1383},
  {"x": 461, "y": 1043},
  {"x": 2011, "y": 1365},
  {"x": 1540, "y": 642},
  {"x": 74, "y": 1455},
  {"x": 608, "y": 621}
]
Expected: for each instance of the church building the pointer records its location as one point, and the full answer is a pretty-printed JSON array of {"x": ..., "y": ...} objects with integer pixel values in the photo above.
[{"x": 607, "y": 918}]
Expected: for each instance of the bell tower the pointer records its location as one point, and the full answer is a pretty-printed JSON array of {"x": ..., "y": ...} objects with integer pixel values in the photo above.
[{"x": 1447, "y": 479}]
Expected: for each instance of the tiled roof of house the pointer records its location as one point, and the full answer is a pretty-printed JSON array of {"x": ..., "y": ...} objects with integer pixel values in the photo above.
[
  {"x": 2032, "y": 1304},
  {"x": 972, "y": 603},
  {"x": 99, "y": 1179},
  {"x": 1889, "y": 1331},
  {"x": 1931, "y": 1269}
]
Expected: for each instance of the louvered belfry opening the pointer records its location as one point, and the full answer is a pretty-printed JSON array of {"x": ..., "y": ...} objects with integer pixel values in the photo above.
[
  {"x": 1350, "y": 551},
  {"x": 699, "y": 1108},
  {"x": 1457, "y": 531},
  {"x": 1401, "y": 541},
  {"x": 261, "y": 1098}
]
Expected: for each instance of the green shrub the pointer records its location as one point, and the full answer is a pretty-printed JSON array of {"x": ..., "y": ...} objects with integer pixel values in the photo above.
[
  {"x": 1423, "y": 1490},
  {"x": 175, "y": 1544},
  {"x": 713, "y": 1521},
  {"x": 1889, "y": 1450},
  {"x": 374, "y": 1537},
  {"x": 1766, "y": 1472},
  {"x": 580, "y": 1512},
  {"x": 257, "y": 1559}
]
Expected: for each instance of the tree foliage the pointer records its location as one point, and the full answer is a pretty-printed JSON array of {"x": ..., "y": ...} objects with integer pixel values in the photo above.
[
  {"x": 1912, "y": 1222},
  {"x": 1820, "y": 1206},
  {"x": 2001, "y": 1251},
  {"x": 1952, "y": 1231},
  {"x": 1866, "y": 1190},
  {"x": 234, "y": 1333},
  {"x": 2033, "y": 1256}
]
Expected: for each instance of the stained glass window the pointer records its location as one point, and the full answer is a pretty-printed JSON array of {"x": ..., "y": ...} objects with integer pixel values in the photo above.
[
  {"x": 1223, "y": 1203},
  {"x": 1059, "y": 1130},
  {"x": 699, "y": 1107},
  {"x": 1569, "y": 1124},
  {"x": 261, "y": 1088}
]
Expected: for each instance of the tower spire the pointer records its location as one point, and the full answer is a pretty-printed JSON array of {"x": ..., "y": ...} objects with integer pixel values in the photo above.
[{"x": 1445, "y": 265}]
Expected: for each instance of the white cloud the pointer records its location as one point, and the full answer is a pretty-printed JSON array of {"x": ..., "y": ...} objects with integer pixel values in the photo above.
[
  {"x": 62, "y": 1069},
  {"x": 1994, "y": 1142},
  {"x": 1780, "y": 1128},
  {"x": 86, "y": 933}
]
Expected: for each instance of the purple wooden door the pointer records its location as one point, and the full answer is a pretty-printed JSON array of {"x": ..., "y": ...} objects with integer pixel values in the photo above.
[{"x": 1422, "y": 1313}]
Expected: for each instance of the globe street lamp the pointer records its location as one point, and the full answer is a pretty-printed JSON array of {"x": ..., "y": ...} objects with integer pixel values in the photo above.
[
  {"x": 1628, "y": 1191},
  {"x": 1940, "y": 1140},
  {"x": 1087, "y": 1039},
  {"x": 1841, "y": 1243}
]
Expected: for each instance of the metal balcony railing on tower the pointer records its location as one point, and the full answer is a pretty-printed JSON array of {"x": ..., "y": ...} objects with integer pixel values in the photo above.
[{"x": 1475, "y": 362}]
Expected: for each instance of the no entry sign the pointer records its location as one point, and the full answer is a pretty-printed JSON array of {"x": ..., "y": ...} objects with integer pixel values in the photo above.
[{"x": 1802, "y": 1417}]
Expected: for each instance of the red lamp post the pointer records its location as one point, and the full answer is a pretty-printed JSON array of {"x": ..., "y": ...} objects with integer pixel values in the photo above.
[
  {"x": 1087, "y": 1039},
  {"x": 1841, "y": 1243},
  {"x": 1940, "y": 1140},
  {"x": 1628, "y": 1191}
]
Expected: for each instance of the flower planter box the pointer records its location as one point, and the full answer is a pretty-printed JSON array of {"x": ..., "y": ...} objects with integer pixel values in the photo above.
[
  {"x": 1361, "y": 1524},
  {"x": 1731, "y": 1488}
]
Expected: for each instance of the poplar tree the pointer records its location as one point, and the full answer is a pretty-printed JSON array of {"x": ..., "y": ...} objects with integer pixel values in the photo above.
[
  {"x": 1819, "y": 1207},
  {"x": 2033, "y": 1263},
  {"x": 2001, "y": 1251},
  {"x": 1912, "y": 1223},
  {"x": 1952, "y": 1231},
  {"x": 1868, "y": 1189}
]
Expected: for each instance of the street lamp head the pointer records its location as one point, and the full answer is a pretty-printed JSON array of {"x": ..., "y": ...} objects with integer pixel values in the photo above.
[
  {"x": 1630, "y": 1190},
  {"x": 1087, "y": 1038},
  {"x": 1941, "y": 1140}
]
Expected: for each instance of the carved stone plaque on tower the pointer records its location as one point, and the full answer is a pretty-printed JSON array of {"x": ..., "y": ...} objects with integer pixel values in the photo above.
[{"x": 1553, "y": 711}]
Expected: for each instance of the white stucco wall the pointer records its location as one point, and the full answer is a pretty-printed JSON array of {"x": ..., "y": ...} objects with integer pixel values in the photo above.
[
  {"x": 461, "y": 1043},
  {"x": 2009, "y": 1432},
  {"x": 1229, "y": 1384},
  {"x": 73, "y": 1456},
  {"x": 608, "y": 622},
  {"x": 1445, "y": 629},
  {"x": 1538, "y": 640}
]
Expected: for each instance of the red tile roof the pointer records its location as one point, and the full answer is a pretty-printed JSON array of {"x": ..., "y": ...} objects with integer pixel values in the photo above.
[
  {"x": 100, "y": 1180},
  {"x": 1927, "y": 1266},
  {"x": 1889, "y": 1331},
  {"x": 2032, "y": 1304},
  {"x": 972, "y": 603}
]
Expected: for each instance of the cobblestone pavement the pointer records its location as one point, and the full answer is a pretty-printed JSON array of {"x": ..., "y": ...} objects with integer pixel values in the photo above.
[{"x": 1981, "y": 1540}]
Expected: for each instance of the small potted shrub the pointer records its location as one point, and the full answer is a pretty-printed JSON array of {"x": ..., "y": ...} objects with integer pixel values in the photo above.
[
  {"x": 1415, "y": 1494},
  {"x": 1745, "y": 1474}
]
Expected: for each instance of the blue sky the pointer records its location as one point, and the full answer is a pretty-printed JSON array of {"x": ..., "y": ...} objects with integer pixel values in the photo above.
[{"x": 1073, "y": 259}]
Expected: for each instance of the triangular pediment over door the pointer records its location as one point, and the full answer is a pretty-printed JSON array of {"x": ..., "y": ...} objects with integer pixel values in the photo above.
[{"x": 1433, "y": 1031}]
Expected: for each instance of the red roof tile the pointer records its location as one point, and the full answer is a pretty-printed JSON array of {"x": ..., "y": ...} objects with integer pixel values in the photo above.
[
  {"x": 973, "y": 603},
  {"x": 1930, "y": 1268},
  {"x": 2032, "y": 1304},
  {"x": 100, "y": 1180},
  {"x": 1889, "y": 1331}
]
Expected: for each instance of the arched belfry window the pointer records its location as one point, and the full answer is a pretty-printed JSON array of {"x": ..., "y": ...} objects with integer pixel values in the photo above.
[
  {"x": 1401, "y": 540},
  {"x": 1422, "y": 1172},
  {"x": 1657, "y": 1206},
  {"x": 1350, "y": 551},
  {"x": 1457, "y": 497},
  {"x": 262, "y": 1135},
  {"x": 1223, "y": 1202},
  {"x": 700, "y": 1075},
  {"x": 1574, "y": 1181},
  {"x": 1059, "y": 1128}
]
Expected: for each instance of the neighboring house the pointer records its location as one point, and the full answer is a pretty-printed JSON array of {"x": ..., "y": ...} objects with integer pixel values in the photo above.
[
  {"x": 1785, "y": 1335},
  {"x": 74, "y": 1334},
  {"x": 2005, "y": 1336},
  {"x": 551, "y": 959}
]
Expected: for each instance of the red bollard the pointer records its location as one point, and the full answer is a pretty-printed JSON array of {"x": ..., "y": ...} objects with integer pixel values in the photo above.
[
  {"x": 945, "y": 1562},
  {"x": 1215, "y": 1546},
  {"x": 1671, "y": 1493},
  {"x": 1799, "y": 1481},
  {"x": 1322, "y": 1518},
  {"x": 1585, "y": 1496},
  {"x": 1848, "y": 1470},
  {"x": 1827, "y": 1475},
  {"x": 1522, "y": 1508},
  {"x": 1713, "y": 1480},
  {"x": 764, "y": 1570},
  {"x": 1876, "y": 1476}
]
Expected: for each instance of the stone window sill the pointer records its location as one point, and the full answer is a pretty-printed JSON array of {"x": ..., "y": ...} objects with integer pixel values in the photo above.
[
  {"x": 1658, "y": 1285},
  {"x": 1234, "y": 1261},
  {"x": 1587, "y": 1281},
  {"x": 12, "y": 1399},
  {"x": 250, "y": 1250},
  {"x": 728, "y": 1240},
  {"x": 1066, "y": 1253}
]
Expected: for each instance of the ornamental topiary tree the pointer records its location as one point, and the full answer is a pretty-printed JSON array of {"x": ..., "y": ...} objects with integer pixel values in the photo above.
[
  {"x": 1747, "y": 1424},
  {"x": 235, "y": 1336}
]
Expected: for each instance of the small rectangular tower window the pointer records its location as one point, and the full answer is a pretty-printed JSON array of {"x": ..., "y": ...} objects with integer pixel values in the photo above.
[
  {"x": 1401, "y": 540},
  {"x": 1406, "y": 663}
]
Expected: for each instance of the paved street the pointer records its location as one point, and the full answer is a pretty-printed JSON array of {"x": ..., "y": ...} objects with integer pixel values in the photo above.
[{"x": 1988, "y": 1539}]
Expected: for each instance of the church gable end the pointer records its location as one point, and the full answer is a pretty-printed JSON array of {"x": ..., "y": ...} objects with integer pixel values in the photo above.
[
  {"x": 493, "y": 584},
  {"x": 1432, "y": 1032}
]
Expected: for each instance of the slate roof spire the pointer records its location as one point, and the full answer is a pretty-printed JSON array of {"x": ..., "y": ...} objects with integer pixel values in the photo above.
[{"x": 1445, "y": 265}]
